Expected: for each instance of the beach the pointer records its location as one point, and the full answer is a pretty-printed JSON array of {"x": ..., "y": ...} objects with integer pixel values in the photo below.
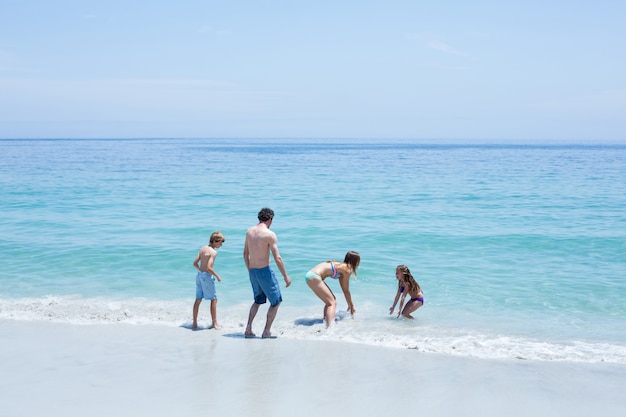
[
  {"x": 485, "y": 161},
  {"x": 61, "y": 369},
  {"x": 518, "y": 250}
]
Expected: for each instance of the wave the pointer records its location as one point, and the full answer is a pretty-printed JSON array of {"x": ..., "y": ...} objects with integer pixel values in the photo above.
[{"x": 305, "y": 323}]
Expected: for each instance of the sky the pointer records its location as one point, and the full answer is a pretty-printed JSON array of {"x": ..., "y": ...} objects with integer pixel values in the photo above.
[{"x": 391, "y": 69}]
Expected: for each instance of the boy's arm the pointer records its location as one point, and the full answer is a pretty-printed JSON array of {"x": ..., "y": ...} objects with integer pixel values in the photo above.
[
  {"x": 210, "y": 266},
  {"x": 196, "y": 262}
]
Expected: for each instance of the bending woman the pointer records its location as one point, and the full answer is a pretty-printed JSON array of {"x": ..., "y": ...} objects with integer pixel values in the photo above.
[
  {"x": 407, "y": 285},
  {"x": 335, "y": 270}
]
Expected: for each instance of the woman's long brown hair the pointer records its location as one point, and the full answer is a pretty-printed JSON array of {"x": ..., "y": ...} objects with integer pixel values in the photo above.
[{"x": 353, "y": 259}]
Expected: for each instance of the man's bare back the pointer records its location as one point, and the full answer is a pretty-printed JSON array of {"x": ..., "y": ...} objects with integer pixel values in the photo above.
[{"x": 259, "y": 242}]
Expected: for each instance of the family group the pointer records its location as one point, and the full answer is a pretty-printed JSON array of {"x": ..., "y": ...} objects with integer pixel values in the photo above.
[{"x": 259, "y": 244}]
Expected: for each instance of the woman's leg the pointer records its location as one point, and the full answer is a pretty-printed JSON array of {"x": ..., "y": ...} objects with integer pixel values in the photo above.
[{"x": 324, "y": 293}]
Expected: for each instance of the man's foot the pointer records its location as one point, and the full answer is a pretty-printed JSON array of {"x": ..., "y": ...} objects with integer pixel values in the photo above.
[
  {"x": 194, "y": 326},
  {"x": 216, "y": 326},
  {"x": 267, "y": 335},
  {"x": 249, "y": 335}
]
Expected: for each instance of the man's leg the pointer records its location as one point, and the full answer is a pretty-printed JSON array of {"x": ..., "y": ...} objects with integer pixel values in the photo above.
[
  {"x": 253, "y": 310},
  {"x": 271, "y": 315}
]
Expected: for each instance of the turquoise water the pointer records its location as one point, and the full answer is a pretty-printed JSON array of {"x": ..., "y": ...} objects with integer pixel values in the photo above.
[{"x": 520, "y": 249}]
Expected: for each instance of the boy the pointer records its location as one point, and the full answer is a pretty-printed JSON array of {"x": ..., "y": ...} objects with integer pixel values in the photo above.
[{"x": 206, "y": 276}]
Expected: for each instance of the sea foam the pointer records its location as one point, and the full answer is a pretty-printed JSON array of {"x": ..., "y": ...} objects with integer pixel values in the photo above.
[{"x": 305, "y": 323}]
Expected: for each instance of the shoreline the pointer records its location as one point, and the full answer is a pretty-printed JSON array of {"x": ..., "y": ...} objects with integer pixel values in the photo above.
[
  {"x": 68, "y": 370},
  {"x": 434, "y": 331}
]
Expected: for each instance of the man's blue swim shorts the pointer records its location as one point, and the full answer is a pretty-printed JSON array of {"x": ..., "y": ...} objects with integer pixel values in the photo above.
[{"x": 265, "y": 286}]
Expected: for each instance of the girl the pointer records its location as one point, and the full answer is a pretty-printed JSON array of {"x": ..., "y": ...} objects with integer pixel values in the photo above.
[
  {"x": 407, "y": 285},
  {"x": 336, "y": 270}
]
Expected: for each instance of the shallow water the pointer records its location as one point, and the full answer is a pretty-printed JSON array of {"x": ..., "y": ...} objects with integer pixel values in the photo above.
[{"x": 519, "y": 249}]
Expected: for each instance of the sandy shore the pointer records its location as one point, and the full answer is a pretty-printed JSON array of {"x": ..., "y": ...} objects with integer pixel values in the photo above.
[{"x": 123, "y": 370}]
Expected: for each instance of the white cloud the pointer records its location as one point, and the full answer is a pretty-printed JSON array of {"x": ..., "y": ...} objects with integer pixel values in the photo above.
[
  {"x": 431, "y": 42},
  {"x": 5, "y": 58},
  {"x": 126, "y": 99},
  {"x": 606, "y": 103},
  {"x": 217, "y": 32},
  {"x": 9, "y": 64}
]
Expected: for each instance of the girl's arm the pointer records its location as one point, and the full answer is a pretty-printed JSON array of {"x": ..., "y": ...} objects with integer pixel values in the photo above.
[
  {"x": 401, "y": 303},
  {"x": 395, "y": 301}
]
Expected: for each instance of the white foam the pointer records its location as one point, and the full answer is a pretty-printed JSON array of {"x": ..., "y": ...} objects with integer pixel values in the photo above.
[
  {"x": 305, "y": 323},
  {"x": 77, "y": 310}
]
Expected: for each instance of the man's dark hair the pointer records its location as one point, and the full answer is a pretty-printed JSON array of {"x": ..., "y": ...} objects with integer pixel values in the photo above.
[{"x": 266, "y": 214}]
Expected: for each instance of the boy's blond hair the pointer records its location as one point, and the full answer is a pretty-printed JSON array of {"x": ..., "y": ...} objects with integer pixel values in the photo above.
[{"x": 217, "y": 236}]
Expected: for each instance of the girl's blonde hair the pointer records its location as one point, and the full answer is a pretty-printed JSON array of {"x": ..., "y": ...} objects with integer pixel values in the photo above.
[{"x": 408, "y": 278}]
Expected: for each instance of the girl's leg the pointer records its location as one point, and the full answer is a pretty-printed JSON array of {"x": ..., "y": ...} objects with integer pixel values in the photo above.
[
  {"x": 410, "y": 307},
  {"x": 326, "y": 295}
]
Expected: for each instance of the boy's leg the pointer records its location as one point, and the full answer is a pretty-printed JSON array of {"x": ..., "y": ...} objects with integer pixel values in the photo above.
[
  {"x": 214, "y": 313},
  {"x": 196, "y": 307}
]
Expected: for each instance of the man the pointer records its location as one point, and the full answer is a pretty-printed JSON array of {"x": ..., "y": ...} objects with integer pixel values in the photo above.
[{"x": 260, "y": 241}]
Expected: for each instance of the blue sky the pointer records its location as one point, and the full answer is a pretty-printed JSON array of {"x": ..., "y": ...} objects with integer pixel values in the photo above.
[{"x": 446, "y": 70}]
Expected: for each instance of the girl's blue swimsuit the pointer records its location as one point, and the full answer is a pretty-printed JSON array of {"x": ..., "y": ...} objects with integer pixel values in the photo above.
[{"x": 420, "y": 299}]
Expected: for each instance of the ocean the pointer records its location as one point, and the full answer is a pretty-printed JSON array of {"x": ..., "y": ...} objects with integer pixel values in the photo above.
[{"x": 520, "y": 249}]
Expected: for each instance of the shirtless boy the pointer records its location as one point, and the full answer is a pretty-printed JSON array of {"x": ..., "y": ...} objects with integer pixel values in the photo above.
[{"x": 206, "y": 276}]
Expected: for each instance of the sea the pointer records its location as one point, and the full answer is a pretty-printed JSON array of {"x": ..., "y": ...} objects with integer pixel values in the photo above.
[{"x": 520, "y": 248}]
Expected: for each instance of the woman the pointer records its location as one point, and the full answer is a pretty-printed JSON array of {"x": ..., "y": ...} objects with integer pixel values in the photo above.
[
  {"x": 407, "y": 285},
  {"x": 335, "y": 270}
]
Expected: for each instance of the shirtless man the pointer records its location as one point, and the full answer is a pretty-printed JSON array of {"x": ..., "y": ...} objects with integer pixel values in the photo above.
[{"x": 260, "y": 241}]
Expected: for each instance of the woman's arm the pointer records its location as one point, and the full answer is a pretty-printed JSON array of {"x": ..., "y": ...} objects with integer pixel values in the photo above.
[{"x": 344, "y": 281}]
